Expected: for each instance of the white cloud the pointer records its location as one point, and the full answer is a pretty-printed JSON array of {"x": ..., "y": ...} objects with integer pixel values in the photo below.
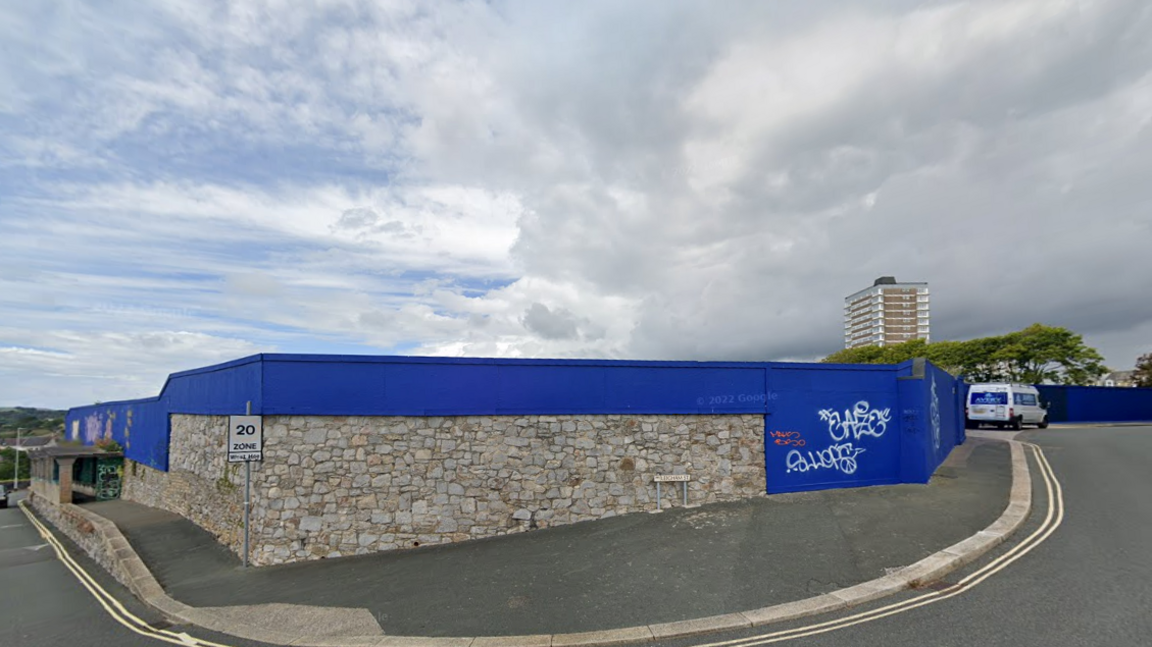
[
  {"x": 64, "y": 368},
  {"x": 659, "y": 180}
]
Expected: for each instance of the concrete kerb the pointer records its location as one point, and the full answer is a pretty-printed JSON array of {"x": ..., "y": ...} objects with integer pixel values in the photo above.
[{"x": 929, "y": 569}]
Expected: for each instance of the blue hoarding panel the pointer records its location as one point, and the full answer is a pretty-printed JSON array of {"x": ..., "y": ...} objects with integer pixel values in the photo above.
[
  {"x": 681, "y": 390},
  {"x": 322, "y": 388},
  {"x": 551, "y": 389},
  {"x": 443, "y": 390},
  {"x": 216, "y": 390},
  {"x": 140, "y": 427},
  {"x": 832, "y": 429},
  {"x": 506, "y": 387},
  {"x": 828, "y": 425},
  {"x": 945, "y": 416},
  {"x": 1096, "y": 403}
]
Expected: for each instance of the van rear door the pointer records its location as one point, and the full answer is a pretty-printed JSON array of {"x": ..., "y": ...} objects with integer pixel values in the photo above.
[{"x": 988, "y": 403}]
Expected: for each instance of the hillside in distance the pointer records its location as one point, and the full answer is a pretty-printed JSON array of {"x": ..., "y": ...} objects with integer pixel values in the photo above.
[{"x": 33, "y": 421}]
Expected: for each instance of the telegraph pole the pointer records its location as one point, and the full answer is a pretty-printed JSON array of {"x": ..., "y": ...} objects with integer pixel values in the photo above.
[{"x": 16, "y": 469}]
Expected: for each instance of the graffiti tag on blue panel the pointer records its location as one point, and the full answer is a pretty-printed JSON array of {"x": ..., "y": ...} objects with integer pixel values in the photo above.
[
  {"x": 825, "y": 439},
  {"x": 848, "y": 443},
  {"x": 140, "y": 427}
]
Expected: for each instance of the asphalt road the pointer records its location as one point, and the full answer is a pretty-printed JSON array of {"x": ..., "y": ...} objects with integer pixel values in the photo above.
[
  {"x": 1089, "y": 583},
  {"x": 42, "y": 604},
  {"x": 620, "y": 572}
]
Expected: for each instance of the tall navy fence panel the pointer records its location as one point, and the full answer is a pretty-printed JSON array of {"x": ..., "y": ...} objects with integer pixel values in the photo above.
[
  {"x": 835, "y": 428},
  {"x": 831, "y": 428},
  {"x": 1096, "y": 403},
  {"x": 138, "y": 426},
  {"x": 827, "y": 425},
  {"x": 932, "y": 420},
  {"x": 224, "y": 389},
  {"x": 434, "y": 386}
]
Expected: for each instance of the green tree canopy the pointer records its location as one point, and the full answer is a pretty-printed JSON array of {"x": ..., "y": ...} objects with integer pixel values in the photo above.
[
  {"x": 1142, "y": 376},
  {"x": 1034, "y": 355},
  {"x": 8, "y": 463}
]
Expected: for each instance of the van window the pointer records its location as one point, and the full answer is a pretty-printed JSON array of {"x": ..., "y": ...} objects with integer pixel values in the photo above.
[
  {"x": 1028, "y": 399},
  {"x": 988, "y": 397}
]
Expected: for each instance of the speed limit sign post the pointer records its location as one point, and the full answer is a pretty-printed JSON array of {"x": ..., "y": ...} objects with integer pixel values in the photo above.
[
  {"x": 245, "y": 439},
  {"x": 246, "y": 445}
]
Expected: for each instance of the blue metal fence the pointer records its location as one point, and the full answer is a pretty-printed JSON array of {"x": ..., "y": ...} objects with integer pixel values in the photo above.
[
  {"x": 1096, "y": 403},
  {"x": 827, "y": 425}
]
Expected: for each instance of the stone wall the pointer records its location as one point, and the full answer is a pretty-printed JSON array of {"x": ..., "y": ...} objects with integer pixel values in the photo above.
[
  {"x": 101, "y": 540},
  {"x": 200, "y": 484},
  {"x": 85, "y": 530},
  {"x": 332, "y": 486}
]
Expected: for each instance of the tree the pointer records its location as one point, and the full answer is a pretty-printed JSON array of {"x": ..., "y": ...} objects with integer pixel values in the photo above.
[
  {"x": 858, "y": 355},
  {"x": 1040, "y": 354},
  {"x": 1035, "y": 355},
  {"x": 8, "y": 462},
  {"x": 1142, "y": 376}
]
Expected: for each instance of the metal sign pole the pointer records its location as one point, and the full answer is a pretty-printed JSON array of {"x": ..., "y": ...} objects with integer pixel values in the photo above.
[
  {"x": 16, "y": 471},
  {"x": 247, "y": 491},
  {"x": 247, "y": 505},
  {"x": 682, "y": 479}
]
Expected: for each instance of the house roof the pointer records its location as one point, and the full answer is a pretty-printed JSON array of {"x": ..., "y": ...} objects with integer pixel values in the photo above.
[
  {"x": 27, "y": 441},
  {"x": 71, "y": 451}
]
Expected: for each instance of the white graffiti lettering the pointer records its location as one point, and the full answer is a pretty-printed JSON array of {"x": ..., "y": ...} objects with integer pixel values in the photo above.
[
  {"x": 840, "y": 457},
  {"x": 934, "y": 416},
  {"x": 861, "y": 420}
]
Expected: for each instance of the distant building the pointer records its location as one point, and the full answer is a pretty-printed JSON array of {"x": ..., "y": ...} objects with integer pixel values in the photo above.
[
  {"x": 29, "y": 441},
  {"x": 886, "y": 313},
  {"x": 1117, "y": 378}
]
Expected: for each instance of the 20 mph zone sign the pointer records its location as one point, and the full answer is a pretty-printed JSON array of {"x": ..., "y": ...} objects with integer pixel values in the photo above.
[{"x": 245, "y": 438}]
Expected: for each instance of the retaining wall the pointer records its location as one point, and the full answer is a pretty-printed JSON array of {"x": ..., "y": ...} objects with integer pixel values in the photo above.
[
  {"x": 200, "y": 484},
  {"x": 331, "y": 486},
  {"x": 87, "y": 530}
]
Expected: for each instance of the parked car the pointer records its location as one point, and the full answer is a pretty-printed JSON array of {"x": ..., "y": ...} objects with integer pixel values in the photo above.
[
  {"x": 3, "y": 497},
  {"x": 1004, "y": 405}
]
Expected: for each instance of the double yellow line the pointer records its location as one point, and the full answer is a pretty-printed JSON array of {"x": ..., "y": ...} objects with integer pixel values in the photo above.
[
  {"x": 107, "y": 600},
  {"x": 1052, "y": 520}
]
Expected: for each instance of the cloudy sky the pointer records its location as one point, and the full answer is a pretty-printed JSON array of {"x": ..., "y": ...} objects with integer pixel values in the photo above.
[{"x": 183, "y": 183}]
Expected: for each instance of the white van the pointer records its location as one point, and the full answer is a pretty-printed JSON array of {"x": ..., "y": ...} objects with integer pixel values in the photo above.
[{"x": 1004, "y": 405}]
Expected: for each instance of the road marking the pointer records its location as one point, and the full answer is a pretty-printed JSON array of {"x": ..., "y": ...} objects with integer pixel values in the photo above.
[
  {"x": 107, "y": 600},
  {"x": 1052, "y": 520}
]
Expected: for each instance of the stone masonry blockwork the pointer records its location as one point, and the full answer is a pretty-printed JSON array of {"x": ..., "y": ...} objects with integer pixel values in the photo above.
[
  {"x": 332, "y": 486},
  {"x": 200, "y": 484}
]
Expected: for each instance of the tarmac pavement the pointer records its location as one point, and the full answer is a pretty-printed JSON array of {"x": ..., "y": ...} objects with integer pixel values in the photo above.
[{"x": 633, "y": 570}]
